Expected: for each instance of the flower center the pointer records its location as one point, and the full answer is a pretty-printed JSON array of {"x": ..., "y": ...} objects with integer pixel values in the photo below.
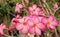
[
  {"x": 48, "y": 23},
  {"x": 34, "y": 10},
  {"x": 34, "y": 25},
  {"x": 25, "y": 23}
]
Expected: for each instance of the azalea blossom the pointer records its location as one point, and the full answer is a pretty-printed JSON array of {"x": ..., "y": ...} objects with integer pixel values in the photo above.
[
  {"x": 34, "y": 10},
  {"x": 26, "y": 1},
  {"x": 2, "y": 28},
  {"x": 13, "y": 23},
  {"x": 55, "y": 5},
  {"x": 50, "y": 22},
  {"x": 18, "y": 7},
  {"x": 23, "y": 26},
  {"x": 37, "y": 26}
]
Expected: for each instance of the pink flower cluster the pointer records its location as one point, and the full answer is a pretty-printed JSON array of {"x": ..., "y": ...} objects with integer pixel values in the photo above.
[{"x": 33, "y": 24}]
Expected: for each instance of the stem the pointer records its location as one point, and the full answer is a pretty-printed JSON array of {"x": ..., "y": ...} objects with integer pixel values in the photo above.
[
  {"x": 44, "y": 34},
  {"x": 7, "y": 35},
  {"x": 24, "y": 35},
  {"x": 23, "y": 3},
  {"x": 1, "y": 14},
  {"x": 11, "y": 14},
  {"x": 12, "y": 35},
  {"x": 48, "y": 34},
  {"x": 32, "y": 35},
  {"x": 56, "y": 9},
  {"x": 37, "y": 36},
  {"x": 41, "y": 5},
  {"x": 47, "y": 6},
  {"x": 56, "y": 33},
  {"x": 44, "y": 7},
  {"x": 2, "y": 1},
  {"x": 25, "y": 7},
  {"x": 47, "y": 12}
]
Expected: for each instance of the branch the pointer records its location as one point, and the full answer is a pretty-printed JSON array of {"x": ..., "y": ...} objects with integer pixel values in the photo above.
[
  {"x": 24, "y": 6},
  {"x": 42, "y": 5},
  {"x": 56, "y": 9},
  {"x": 7, "y": 35},
  {"x": 47, "y": 6},
  {"x": 12, "y": 14}
]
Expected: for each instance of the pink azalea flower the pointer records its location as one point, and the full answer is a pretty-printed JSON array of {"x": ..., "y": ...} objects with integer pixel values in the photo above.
[
  {"x": 26, "y": 1},
  {"x": 23, "y": 25},
  {"x": 37, "y": 26},
  {"x": 55, "y": 5},
  {"x": 13, "y": 24},
  {"x": 2, "y": 28},
  {"x": 18, "y": 7},
  {"x": 50, "y": 22},
  {"x": 34, "y": 10}
]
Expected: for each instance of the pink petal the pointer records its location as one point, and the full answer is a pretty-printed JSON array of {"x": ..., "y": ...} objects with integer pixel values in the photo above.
[
  {"x": 55, "y": 5},
  {"x": 30, "y": 23},
  {"x": 50, "y": 27},
  {"x": 17, "y": 16},
  {"x": 38, "y": 31},
  {"x": 11, "y": 27},
  {"x": 17, "y": 9},
  {"x": 54, "y": 23},
  {"x": 26, "y": 18},
  {"x": 24, "y": 30},
  {"x": 1, "y": 31},
  {"x": 42, "y": 12},
  {"x": 36, "y": 13},
  {"x": 17, "y": 3},
  {"x": 19, "y": 26},
  {"x": 40, "y": 19},
  {"x": 30, "y": 9},
  {"x": 21, "y": 20},
  {"x": 27, "y": 1},
  {"x": 44, "y": 20},
  {"x": 15, "y": 20},
  {"x": 32, "y": 13},
  {"x": 38, "y": 9},
  {"x": 41, "y": 26},
  {"x": 34, "y": 6},
  {"x": 20, "y": 6},
  {"x": 4, "y": 26},
  {"x": 35, "y": 19},
  {"x": 51, "y": 18},
  {"x": 31, "y": 30}
]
